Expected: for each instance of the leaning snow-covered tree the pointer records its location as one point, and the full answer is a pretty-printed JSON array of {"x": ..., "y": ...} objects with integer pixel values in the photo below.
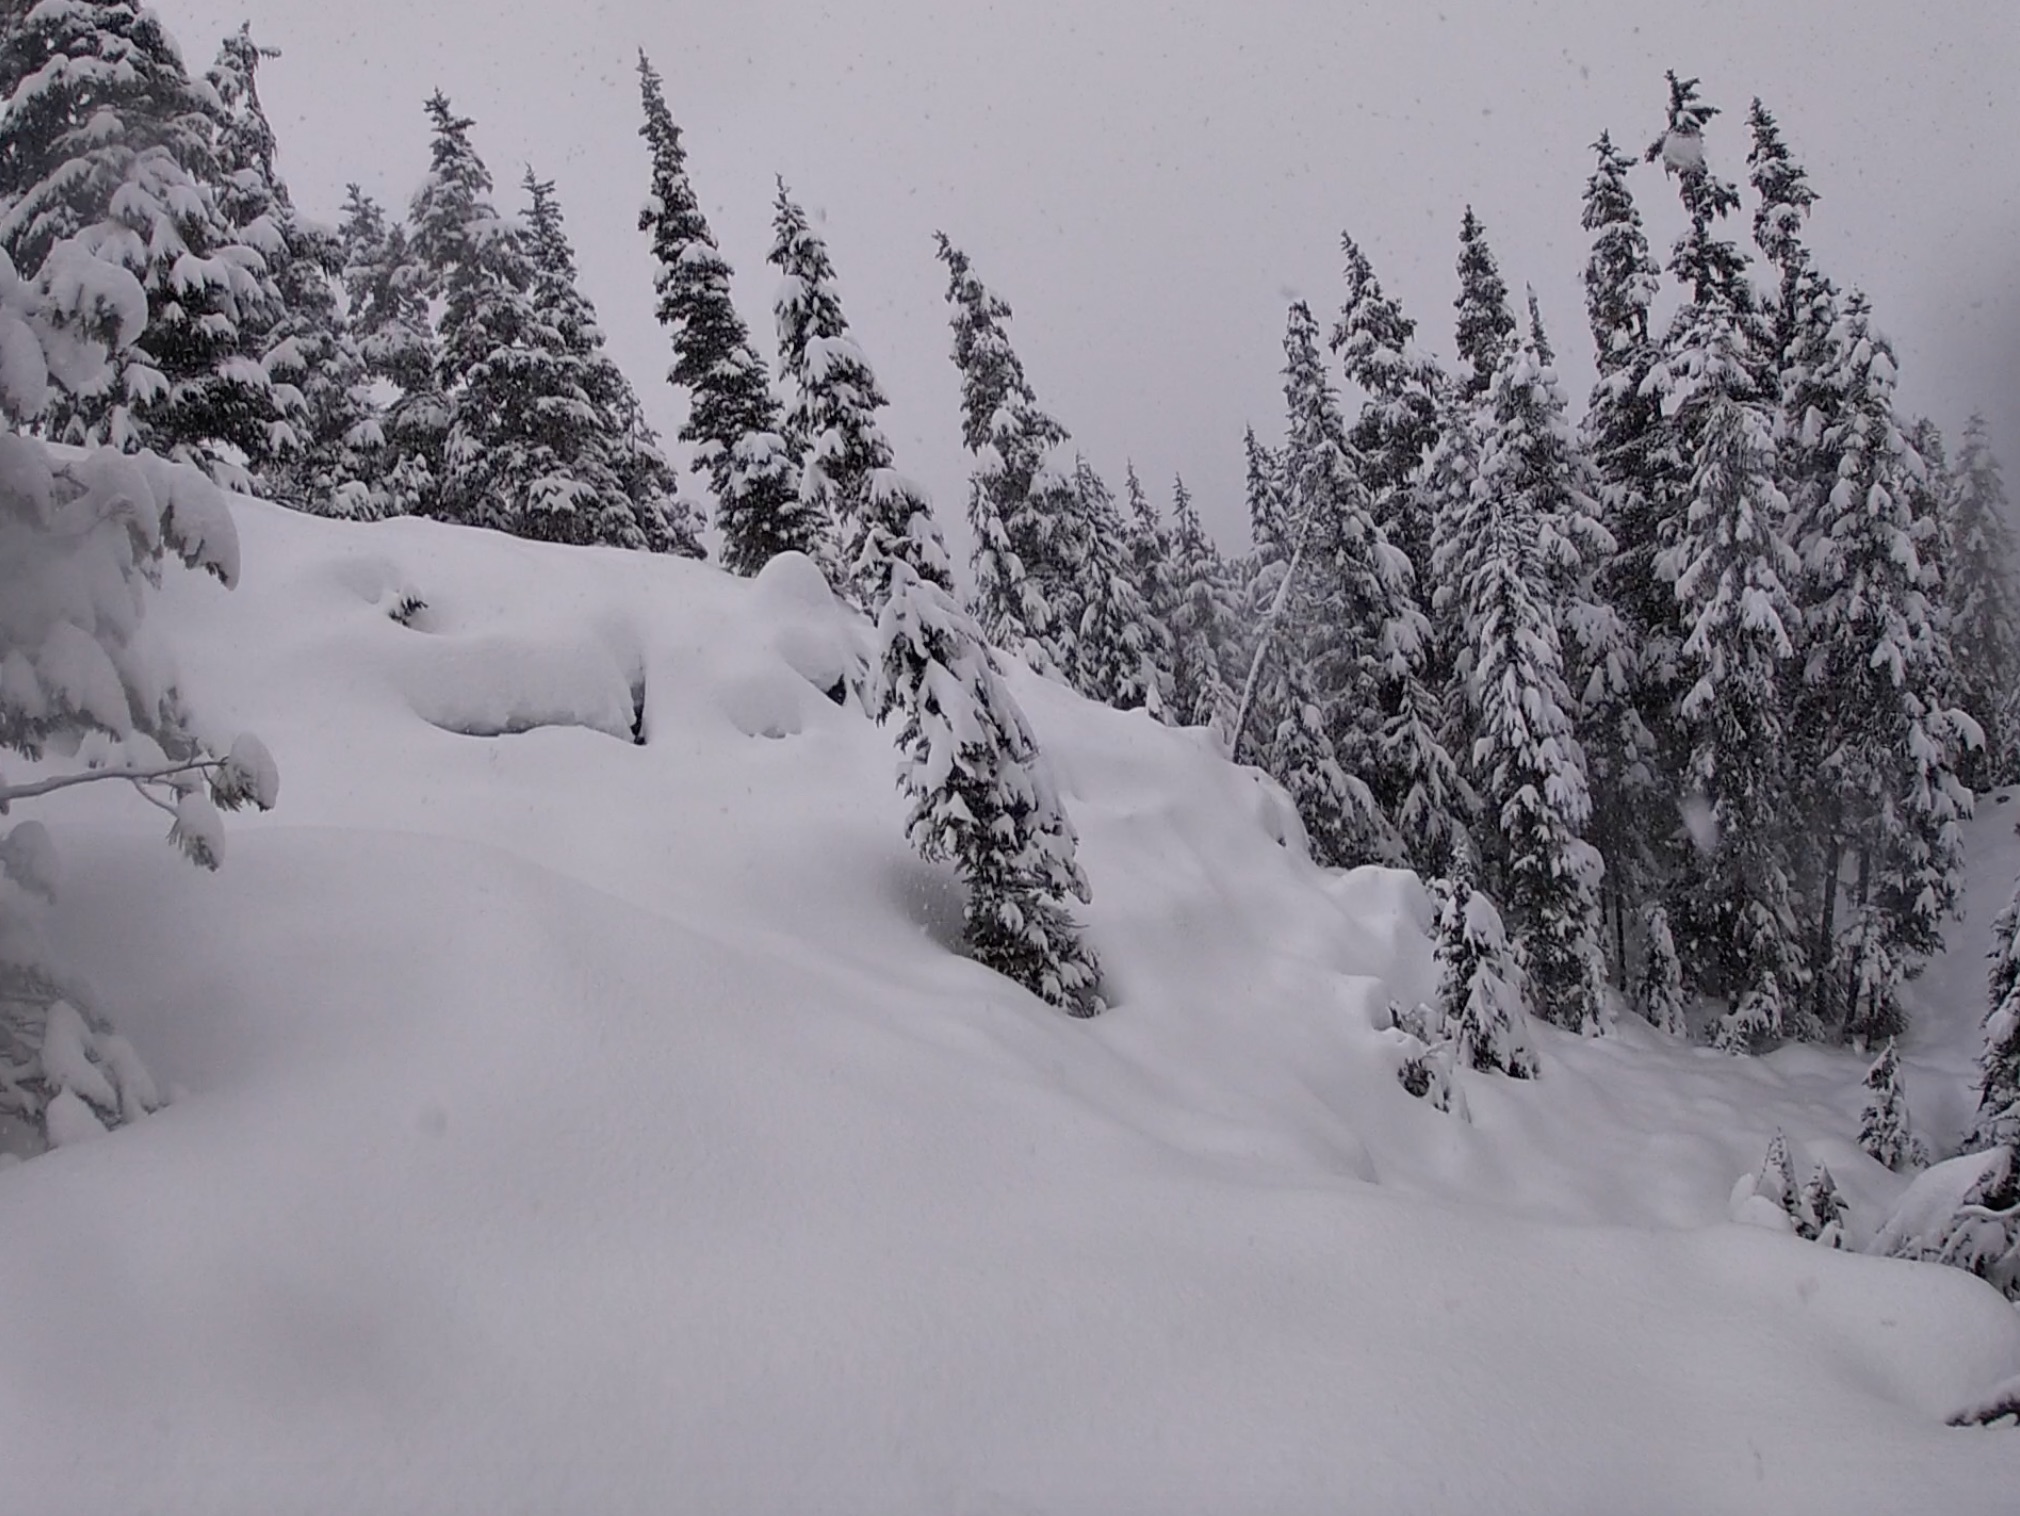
[
  {"x": 85, "y": 698},
  {"x": 979, "y": 793}
]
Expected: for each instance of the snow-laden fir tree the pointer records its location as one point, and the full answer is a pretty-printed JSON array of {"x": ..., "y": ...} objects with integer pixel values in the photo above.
[
  {"x": 106, "y": 156},
  {"x": 734, "y": 421},
  {"x": 493, "y": 356},
  {"x": 1481, "y": 1002},
  {"x": 831, "y": 396},
  {"x": 1982, "y": 597},
  {"x": 1820, "y": 1210},
  {"x": 1398, "y": 424},
  {"x": 1659, "y": 993},
  {"x": 1731, "y": 567},
  {"x": 1023, "y": 506},
  {"x": 1153, "y": 570},
  {"x": 1997, "y": 1122},
  {"x": 323, "y": 448},
  {"x": 1883, "y": 1124},
  {"x": 1486, "y": 325},
  {"x": 387, "y": 292},
  {"x": 1118, "y": 646},
  {"x": 84, "y": 539},
  {"x": 1785, "y": 198},
  {"x": 1357, "y": 623},
  {"x": 1206, "y": 624},
  {"x": 1875, "y": 678},
  {"x": 1628, "y": 699},
  {"x": 1525, "y": 760},
  {"x": 590, "y": 482}
]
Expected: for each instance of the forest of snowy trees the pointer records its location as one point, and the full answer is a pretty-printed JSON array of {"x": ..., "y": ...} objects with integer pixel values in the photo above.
[{"x": 1678, "y": 696}]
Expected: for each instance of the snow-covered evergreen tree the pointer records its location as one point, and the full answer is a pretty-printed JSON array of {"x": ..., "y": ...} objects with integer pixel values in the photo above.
[
  {"x": 1731, "y": 567},
  {"x": 1480, "y": 985},
  {"x": 1820, "y": 1210},
  {"x": 978, "y": 789},
  {"x": 1486, "y": 325},
  {"x": 323, "y": 449},
  {"x": 1398, "y": 426},
  {"x": 493, "y": 356},
  {"x": 1119, "y": 644},
  {"x": 1357, "y": 625},
  {"x": 1883, "y": 1124},
  {"x": 1659, "y": 993},
  {"x": 734, "y": 422},
  {"x": 1153, "y": 570},
  {"x": 1982, "y": 597},
  {"x": 1206, "y": 624},
  {"x": 590, "y": 485},
  {"x": 84, "y": 538},
  {"x": 1997, "y": 1122},
  {"x": 1875, "y": 674},
  {"x": 106, "y": 155},
  {"x": 387, "y": 290},
  {"x": 1627, "y": 698},
  {"x": 1023, "y": 505},
  {"x": 1525, "y": 760}
]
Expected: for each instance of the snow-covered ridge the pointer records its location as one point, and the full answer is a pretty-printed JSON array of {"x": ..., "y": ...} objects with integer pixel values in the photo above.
[{"x": 569, "y": 1121}]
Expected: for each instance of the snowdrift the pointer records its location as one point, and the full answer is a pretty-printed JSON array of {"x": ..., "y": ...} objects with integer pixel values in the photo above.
[{"x": 582, "y": 1105}]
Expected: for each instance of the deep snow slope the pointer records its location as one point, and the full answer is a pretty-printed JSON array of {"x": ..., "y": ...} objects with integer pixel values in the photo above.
[{"x": 568, "y": 1123}]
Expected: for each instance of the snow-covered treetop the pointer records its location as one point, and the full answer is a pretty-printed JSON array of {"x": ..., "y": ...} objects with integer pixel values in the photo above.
[{"x": 1486, "y": 325}]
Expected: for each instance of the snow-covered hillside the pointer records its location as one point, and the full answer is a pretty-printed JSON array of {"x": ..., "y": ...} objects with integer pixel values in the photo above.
[{"x": 569, "y": 1122}]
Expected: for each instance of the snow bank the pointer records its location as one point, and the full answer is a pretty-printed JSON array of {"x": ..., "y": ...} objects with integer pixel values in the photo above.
[{"x": 579, "y": 1124}]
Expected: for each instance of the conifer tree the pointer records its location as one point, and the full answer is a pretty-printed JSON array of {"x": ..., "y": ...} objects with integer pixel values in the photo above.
[
  {"x": 1875, "y": 673},
  {"x": 734, "y": 422},
  {"x": 1269, "y": 528},
  {"x": 106, "y": 156},
  {"x": 1358, "y": 625},
  {"x": 322, "y": 452},
  {"x": 1486, "y": 325},
  {"x": 1153, "y": 570},
  {"x": 1982, "y": 598},
  {"x": 1206, "y": 624},
  {"x": 1398, "y": 426},
  {"x": 1526, "y": 762},
  {"x": 1630, "y": 702},
  {"x": 587, "y": 484},
  {"x": 387, "y": 290},
  {"x": 1997, "y": 1122},
  {"x": 1023, "y": 504},
  {"x": 832, "y": 396},
  {"x": 1118, "y": 645},
  {"x": 1883, "y": 1125},
  {"x": 1731, "y": 568},
  {"x": 1821, "y": 1210},
  {"x": 1659, "y": 993},
  {"x": 494, "y": 360},
  {"x": 1480, "y": 985}
]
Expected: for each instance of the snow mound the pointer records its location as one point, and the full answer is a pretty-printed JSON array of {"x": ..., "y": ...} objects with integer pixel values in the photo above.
[{"x": 569, "y": 1122}]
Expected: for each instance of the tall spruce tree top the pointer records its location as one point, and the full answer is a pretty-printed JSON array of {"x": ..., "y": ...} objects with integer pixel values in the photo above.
[
  {"x": 106, "y": 155},
  {"x": 734, "y": 423},
  {"x": 1486, "y": 325},
  {"x": 1711, "y": 265},
  {"x": 1398, "y": 426},
  {"x": 1030, "y": 538}
]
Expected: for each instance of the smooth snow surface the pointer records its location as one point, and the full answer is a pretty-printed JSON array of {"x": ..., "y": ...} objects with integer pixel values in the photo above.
[{"x": 568, "y": 1123}]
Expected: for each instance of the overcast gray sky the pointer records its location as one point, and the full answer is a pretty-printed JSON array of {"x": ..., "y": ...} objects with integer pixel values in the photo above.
[{"x": 1150, "y": 181}]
